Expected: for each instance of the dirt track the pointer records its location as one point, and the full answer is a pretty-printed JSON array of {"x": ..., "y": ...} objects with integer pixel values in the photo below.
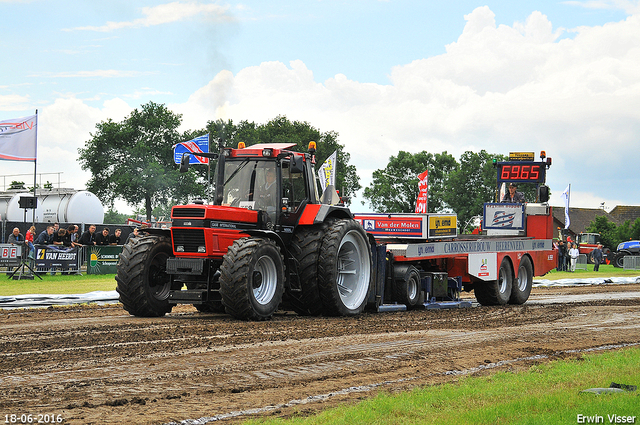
[{"x": 100, "y": 365}]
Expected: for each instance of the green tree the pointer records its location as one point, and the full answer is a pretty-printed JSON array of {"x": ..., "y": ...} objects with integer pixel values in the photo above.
[
  {"x": 609, "y": 232},
  {"x": 133, "y": 160},
  {"x": 472, "y": 184},
  {"x": 395, "y": 188},
  {"x": 282, "y": 130},
  {"x": 16, "y": 185},
  {"x": 114, "y": 217}
]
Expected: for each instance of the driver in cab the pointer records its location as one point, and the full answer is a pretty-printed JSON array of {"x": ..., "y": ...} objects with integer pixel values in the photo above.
[
  {"x": 266, "y": 194},
  {"x": 513, "y": 196}
]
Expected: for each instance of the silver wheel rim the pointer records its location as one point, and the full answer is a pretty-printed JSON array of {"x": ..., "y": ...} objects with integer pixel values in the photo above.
[
  {"x": 264, "y": 292},
  {"x": 523, "y": 278},
  {"x": 353, "y": 270},
  {"x": 412, "y": 288},
  {"x": 502, "y": 280}
]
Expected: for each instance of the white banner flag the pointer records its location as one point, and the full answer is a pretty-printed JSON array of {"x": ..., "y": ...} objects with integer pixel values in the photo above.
[
  {"x": 18, "y": 139},
  {"x": 565, "y": 196},
  {"x": 327, "y": 172}
]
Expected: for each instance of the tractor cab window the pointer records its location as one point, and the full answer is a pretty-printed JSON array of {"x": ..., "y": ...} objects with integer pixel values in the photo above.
[
  {"x": 294, "y": 189},
  {"x": 251, "y": 184}
]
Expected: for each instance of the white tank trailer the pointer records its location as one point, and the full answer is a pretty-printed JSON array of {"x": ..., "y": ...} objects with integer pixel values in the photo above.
[{"x": 55, "y": 205}]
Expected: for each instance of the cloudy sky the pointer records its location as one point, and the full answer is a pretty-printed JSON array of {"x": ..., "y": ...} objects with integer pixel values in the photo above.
[{"x": 387, "y": 75}]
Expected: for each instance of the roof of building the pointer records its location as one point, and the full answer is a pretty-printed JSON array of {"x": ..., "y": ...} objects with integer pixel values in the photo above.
[{"x": 581, "y": 218}]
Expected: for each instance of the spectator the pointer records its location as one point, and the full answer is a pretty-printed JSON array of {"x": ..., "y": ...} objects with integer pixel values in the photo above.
[
  {"x": 16, "y": 238},
  {"x": 115, "y": 238},
  {"x": 598, "y": 257},
  {"x": 89, "y": 236},
  {"x": 133, "y": 235},
  {"x": 61, "y": 238},
  {"x": 72, "y": 231},
  {"x": 103, "y": 238},
  {"x": 29, "y": 237},
  {"x": 45, "y": 237},
  {"x": 574, "y": 254}
]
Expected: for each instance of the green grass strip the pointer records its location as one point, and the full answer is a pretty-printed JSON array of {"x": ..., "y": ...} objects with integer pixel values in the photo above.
[
  {"x": 57, "y": 284},
  {"x": 545, "y": 394}
]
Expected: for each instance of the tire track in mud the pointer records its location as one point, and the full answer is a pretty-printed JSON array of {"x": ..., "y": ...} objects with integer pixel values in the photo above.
[{"x": 102, "y": 364}]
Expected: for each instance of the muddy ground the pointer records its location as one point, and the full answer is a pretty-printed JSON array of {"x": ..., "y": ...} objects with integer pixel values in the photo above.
[{"x": 99, "y": 365}]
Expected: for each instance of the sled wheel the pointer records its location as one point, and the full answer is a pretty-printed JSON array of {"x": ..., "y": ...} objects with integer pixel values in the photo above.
[
  {"x": 406, "y": 289},
  {"x": 252, "y": 279},
  {"x": 141, "y": 277},
  {"x": 344, "y": 269},
  {"x": 496, "y": 292},
  {"x": 522, "y": 285}
]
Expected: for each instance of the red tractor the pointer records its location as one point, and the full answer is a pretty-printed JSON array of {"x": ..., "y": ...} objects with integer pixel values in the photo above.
[{"x": 267, "y": 238}]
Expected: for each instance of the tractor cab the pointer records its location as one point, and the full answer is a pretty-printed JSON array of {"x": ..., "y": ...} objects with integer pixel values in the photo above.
[{"x": 266, "y": 177}]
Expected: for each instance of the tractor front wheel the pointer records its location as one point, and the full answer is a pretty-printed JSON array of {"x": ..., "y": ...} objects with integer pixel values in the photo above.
[
  {"x": 252, "y": 279},
  {"x": 141, "y": 277}
]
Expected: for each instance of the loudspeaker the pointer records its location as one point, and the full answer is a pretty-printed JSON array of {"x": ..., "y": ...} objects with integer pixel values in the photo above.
[{"x": 28, "y": 202}]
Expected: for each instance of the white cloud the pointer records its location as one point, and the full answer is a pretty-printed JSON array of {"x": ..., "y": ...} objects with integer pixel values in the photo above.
[
  {"x": 164, "y": 14},
  {"x": 14, "y": 102},
  {"x": 498, "y": 88}
]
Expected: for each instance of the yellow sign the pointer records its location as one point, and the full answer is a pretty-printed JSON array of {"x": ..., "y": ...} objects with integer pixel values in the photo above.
[
  {"x": 442, "y": 225},
  {"x": 521, "y": 156}
]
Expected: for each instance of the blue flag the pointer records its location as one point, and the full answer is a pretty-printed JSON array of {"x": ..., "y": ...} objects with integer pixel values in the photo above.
[{"x": 193, "y": 147}]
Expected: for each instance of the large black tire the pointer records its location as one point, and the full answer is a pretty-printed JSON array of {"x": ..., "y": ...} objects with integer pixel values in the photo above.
[
  {"x": 618, "y": 259},
  {"x": 252, "y": 279},
  {"x": 521, "y": 288},
  {"x": 496, "y": 292},
  {"x": 305, "y": 248},
  {"x": 406, "y": 288},
  {"x": 344, "y": 269},
  {"x": 143, "y": 283}
]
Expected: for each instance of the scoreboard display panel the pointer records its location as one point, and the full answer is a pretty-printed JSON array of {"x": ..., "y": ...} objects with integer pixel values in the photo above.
[{"x": 521, "y": 172}]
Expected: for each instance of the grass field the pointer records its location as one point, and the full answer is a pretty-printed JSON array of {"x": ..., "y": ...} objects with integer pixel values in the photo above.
[
  {"x": 58, "y": 284},
  {"x": 545, "y": 394}
]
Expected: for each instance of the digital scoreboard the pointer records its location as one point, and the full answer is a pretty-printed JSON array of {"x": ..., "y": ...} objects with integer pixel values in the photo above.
[{"x": 521, "y": 172}]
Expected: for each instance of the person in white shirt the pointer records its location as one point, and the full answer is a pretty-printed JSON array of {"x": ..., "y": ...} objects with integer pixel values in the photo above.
[{"x": 573, "y": 254}]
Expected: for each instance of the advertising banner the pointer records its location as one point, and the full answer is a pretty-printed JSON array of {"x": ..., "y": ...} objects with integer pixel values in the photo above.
[
  {"x": 10, "y": 255},
  {"x": 393, "y": 225},
  {"x": 503, "y": 216},
  {"x": 423, "y": 191},
  {"x": 443, "y": 226},
  {"x": 103, "y": 259},
  {"x": 57, "y": 257}
]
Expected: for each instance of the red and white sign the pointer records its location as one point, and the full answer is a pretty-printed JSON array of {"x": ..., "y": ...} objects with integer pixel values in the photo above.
[{"x": 423, "y": 186}]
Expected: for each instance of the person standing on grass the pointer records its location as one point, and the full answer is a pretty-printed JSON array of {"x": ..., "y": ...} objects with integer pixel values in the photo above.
[
  {"x": 573, "y": 254},
  {"x": 598, "y": 257}
]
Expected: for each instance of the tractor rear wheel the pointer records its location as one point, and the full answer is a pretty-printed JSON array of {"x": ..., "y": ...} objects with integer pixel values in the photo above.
[
  {"x": 618, "y": 259},
  {"x": 344, "y": 269},
  {"x": 496, "y": 292},
  {"x": 252, "y": 279},
  {"x": 305, "y": 248},
  {"x": 141, "y": 277}
]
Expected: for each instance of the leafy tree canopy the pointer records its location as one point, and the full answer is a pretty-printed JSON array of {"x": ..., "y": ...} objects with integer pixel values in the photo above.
[
  {"x": 395, "y": 188},
  {"x": 611, "y": 235},
  {"x": 133, "y": 159},
  {"x": 282, "y": 130}
]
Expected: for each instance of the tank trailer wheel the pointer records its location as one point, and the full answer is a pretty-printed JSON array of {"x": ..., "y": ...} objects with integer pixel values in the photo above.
[
  {"x": 522, "y": 285},
  {"x": 344, "y": 269},
  {"x": 141, "y": 277},
  {"x": 305, "y": 247},
  {"x": 496, "y": 292},
  {"x": 252, "y": 279},
  {"x": 406, "y": 289}
]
